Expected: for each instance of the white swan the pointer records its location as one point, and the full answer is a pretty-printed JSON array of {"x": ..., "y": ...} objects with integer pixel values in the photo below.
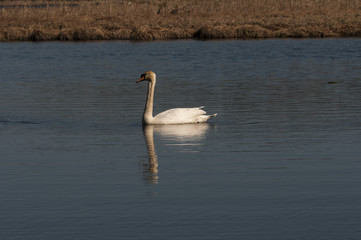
[{"x": 171, "y": 116}]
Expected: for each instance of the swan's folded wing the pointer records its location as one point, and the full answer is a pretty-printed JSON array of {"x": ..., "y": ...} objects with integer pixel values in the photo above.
[{"x": 179, "y": 116}]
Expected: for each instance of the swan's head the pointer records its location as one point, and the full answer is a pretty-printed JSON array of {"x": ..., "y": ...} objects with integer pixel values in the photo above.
[{"x": 148, "y": 76}]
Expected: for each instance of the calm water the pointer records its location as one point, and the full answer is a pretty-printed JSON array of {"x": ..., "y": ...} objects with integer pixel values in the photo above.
[{"x": 282, "y": 160}]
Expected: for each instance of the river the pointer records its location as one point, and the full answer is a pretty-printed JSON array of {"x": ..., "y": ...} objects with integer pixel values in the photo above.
[{"x": 280, "y": 161}]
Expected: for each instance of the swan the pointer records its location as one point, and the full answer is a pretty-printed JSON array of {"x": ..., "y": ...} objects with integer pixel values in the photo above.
[{"x": 171, "y": 116}]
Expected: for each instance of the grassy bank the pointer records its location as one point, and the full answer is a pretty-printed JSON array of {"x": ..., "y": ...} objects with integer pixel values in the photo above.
[{"x": 35, "y": 20}]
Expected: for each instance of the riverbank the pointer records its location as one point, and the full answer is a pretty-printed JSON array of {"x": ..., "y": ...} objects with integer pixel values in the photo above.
[{"x": 46, "y": 20}]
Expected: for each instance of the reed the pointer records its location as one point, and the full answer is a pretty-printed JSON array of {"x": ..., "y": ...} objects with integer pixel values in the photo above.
[{"x": 37, "y": 20}]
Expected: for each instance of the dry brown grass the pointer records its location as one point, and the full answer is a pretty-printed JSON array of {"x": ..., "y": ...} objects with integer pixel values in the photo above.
[{"x": 177, "y": 19}]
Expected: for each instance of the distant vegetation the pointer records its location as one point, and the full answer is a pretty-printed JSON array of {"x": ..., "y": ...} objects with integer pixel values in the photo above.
[{"x": 35, "y": 20}]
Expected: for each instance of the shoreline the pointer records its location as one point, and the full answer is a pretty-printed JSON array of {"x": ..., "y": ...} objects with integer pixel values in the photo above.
[{"x": 77, "y": 20}]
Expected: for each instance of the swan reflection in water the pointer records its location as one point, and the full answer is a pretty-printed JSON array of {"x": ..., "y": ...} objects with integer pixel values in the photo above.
[{"x": 179, "y": 135}]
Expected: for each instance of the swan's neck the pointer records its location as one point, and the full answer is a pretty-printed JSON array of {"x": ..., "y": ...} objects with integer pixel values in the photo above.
[{"x": 148, "y": 110}]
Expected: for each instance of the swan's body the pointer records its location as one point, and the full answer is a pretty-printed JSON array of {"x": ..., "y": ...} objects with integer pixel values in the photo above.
[{"x": 171, "y": 116}]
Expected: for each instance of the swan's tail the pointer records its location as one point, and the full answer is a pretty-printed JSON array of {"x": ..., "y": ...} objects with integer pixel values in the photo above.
[
  {"x": 208, "y": 116},
  {"x": 204, "y": 118}
]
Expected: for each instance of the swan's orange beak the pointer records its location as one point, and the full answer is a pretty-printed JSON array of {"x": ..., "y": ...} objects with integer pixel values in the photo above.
[{"x": 141, "y": 79}]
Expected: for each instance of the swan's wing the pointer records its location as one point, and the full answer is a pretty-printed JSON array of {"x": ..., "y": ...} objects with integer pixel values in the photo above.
[{"x": 181, "y": 115}]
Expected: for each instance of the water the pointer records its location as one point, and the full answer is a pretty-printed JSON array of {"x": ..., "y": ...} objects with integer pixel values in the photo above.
[{"x": 280, "y": 161}]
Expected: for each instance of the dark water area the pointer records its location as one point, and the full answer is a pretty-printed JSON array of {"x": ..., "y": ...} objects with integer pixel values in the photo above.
[{"x": 280, "y": 161}]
